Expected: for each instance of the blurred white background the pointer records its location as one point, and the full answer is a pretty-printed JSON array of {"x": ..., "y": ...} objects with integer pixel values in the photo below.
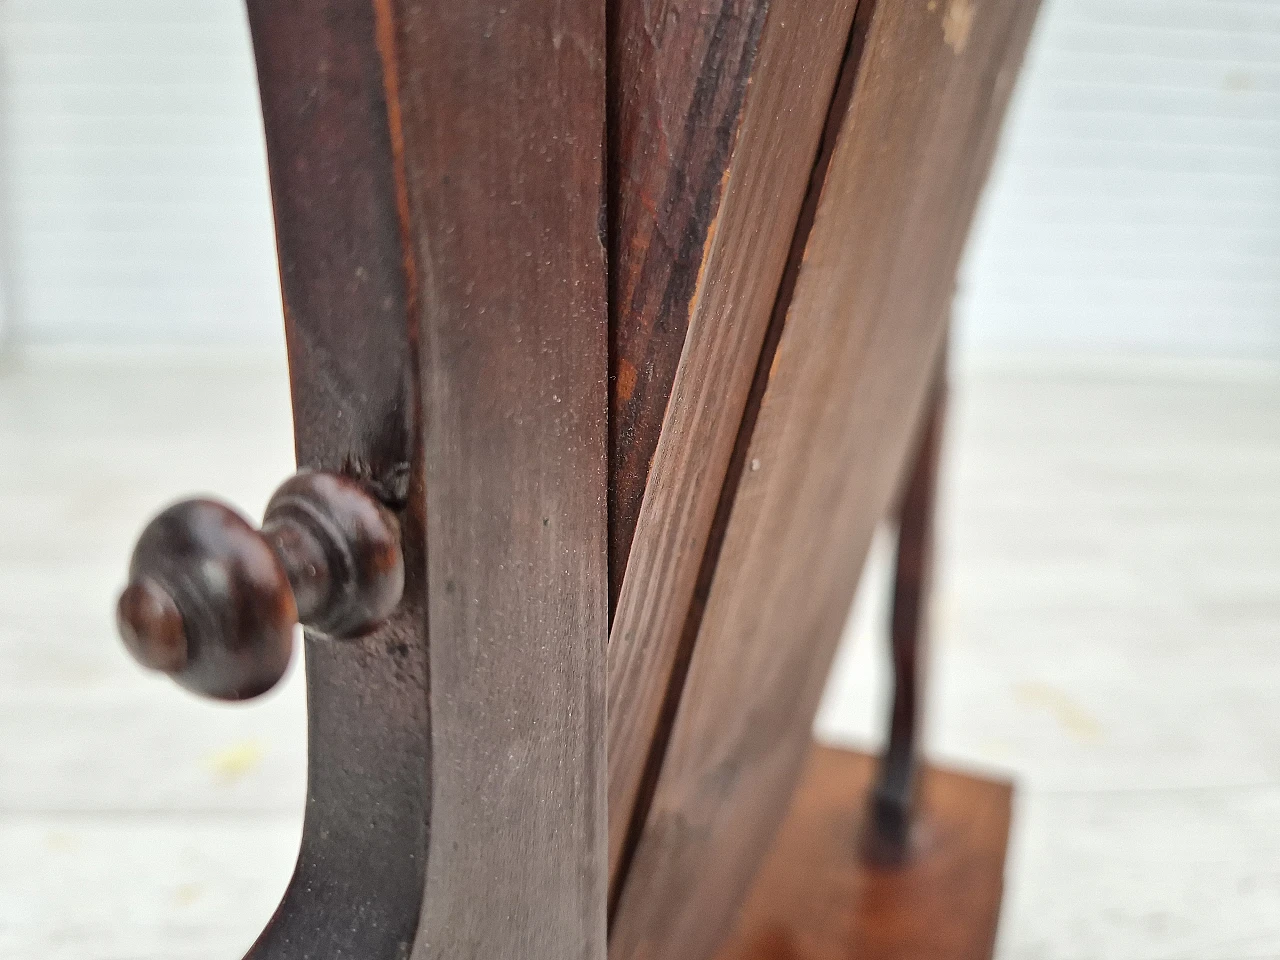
[{"x": 1107, "y": 613}]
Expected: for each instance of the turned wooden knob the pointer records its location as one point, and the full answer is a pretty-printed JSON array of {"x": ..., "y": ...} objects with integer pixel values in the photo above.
[{"x": 213, "y": 602}]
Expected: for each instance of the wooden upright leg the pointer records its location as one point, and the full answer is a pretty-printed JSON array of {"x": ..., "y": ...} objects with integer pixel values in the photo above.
[{"x": 894, "y": 796}]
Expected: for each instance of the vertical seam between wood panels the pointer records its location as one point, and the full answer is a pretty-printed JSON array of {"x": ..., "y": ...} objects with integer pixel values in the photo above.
[
  {"x": 609, "y": 213},
  {"x": 842, "y": 95}
]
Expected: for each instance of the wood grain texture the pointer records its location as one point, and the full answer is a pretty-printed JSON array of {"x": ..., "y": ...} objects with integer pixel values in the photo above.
[
  {"x": 818, "y": 897},
  {"x": 720, "y": 312},
  {"x": 678, "y": 79},
  {"x": 503, "y": 118},
  {"x": 348, "y": 297},
  {"x": 841, "y": 399}
]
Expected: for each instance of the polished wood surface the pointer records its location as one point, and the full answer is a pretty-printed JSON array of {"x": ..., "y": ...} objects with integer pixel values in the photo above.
[
  {"x": 742, "y": 248},
  {"x": 822, "y": 894},
  {"x": 822, "y": 459},
  {"x": 340, "y": 548},
  {"x": 213, "y": 603}
]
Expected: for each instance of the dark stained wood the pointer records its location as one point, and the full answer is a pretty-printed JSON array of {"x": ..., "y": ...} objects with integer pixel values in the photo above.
[
  {"x": 503, "y": 122},
  {"x": 894, "y": 796},
  {"x": 677, "y": 82},
  {"x": 213, "y": 602},
  {"x": 350, "y": 319},
  {"x": 819, "y": 898},
  {"x": 348, "y": 285},
  {"x": 843, "y": 395},
  {"x": 437, "y": 174},
  {"x": 719, "y": 109}
]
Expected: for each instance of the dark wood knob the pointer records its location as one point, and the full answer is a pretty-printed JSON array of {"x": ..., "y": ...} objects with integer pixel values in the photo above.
[{"x": 213, "y": 602}]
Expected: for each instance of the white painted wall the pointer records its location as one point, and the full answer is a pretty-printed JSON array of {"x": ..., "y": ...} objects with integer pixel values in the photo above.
[
  {"x": 1136, "y": 201},
  {"x": 136, "y": 177}
]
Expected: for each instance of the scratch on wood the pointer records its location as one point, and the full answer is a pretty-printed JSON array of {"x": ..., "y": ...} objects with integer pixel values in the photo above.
[
  {"x": 957, "y": 24},
  {"x": 626, "y": 379}
]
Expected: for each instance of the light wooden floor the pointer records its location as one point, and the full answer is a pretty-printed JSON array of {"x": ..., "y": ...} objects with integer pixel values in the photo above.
[{"x": 1108, "y": 630}]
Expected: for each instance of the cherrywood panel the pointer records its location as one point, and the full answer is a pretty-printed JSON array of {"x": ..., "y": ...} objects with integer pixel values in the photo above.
[
  {"x": 348, "y": 291},
  {"x": 819, "y": 464},
  {"x": 731, "y": 194},
  {"x": 503, "y": 119}
]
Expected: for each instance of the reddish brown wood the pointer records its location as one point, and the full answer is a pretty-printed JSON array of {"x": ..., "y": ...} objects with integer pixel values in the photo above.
[
  {"x": 818, "y": 897},
  {"x": 150, "y": 625},
  {"x": 841, "y": 399},
  {"x": 704, "y": 301},
  {"x": 894, "y": 796},
  {"x": 213, "y": 602}
]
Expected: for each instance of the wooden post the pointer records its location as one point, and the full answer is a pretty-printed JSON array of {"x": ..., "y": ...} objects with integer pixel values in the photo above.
[{"x": 894, "y": 795}]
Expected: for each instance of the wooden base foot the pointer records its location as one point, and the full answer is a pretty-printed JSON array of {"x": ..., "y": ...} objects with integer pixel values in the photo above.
[{"x": 826, "y": 893}]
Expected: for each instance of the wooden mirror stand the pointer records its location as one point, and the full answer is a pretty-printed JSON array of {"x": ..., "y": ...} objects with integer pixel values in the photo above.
[{"x": 619, "y": 327}]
